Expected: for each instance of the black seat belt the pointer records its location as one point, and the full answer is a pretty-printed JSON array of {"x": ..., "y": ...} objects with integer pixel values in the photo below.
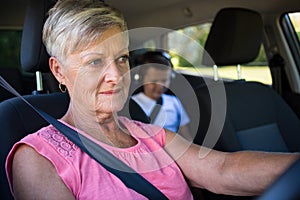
[
  {"x": 156, "y": 109},
  {"x": 127, "y": 175},
  {"x": 137, "y": 113}
]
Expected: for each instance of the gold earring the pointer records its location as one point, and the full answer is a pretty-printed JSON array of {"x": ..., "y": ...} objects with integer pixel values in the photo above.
[{"x": 62, "y": 88}]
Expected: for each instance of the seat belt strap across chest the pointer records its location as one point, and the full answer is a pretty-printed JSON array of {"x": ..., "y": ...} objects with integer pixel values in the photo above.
[
  {"x": 127, "y": 175},
  {"x": 137, "y": 113},
  {"x": 156, "y": 109}
]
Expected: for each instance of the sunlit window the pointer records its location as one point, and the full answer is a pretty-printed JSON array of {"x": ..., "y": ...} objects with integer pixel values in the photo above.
[
  {"x": 295, "y": 19},
  {"x": 10, "y": 42},
  {"x": 257, "y": 70}
]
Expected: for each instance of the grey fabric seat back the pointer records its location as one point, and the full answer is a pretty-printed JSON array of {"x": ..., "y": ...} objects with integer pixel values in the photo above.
[
  {"x": 234, "y": 38},
  {"x": 262, "y": 119},
  {"x": 16, "y": 118},
  {"x": 257, "y": 118},
  {"x": 34, "y": 56}
]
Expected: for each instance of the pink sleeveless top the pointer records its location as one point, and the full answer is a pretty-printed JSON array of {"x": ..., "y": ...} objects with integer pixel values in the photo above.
[{"x": 87, "y": 179}]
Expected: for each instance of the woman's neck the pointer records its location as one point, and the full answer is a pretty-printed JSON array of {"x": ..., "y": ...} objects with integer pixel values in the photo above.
[{"x": 103, "y": 127}]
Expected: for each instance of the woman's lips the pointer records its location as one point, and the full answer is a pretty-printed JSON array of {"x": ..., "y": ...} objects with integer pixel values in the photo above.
[{"x": 110, "y": 92}]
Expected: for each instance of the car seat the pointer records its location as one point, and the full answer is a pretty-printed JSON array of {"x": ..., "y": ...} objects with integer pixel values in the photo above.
[
  {"x": 34, "y": 57},
  {"x": 17, "y": 119},
  {"x": 257, "y": 117}
]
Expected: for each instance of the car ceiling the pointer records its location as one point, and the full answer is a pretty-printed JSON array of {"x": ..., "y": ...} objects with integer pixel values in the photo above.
[{"x": 140, "y": 13}]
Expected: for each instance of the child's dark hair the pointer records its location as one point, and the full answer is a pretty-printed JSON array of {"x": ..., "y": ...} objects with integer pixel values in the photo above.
[
  {"x": 159, "y": 57},
  {"x": 160, "y": 60}
]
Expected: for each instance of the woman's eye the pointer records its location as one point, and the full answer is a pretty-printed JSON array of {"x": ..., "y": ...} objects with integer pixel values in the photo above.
[
  {"x": 123, "y": 59},
  {"x": 95, "y": 62}
]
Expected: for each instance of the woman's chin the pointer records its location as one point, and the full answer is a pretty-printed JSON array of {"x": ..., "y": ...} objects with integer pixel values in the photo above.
[{"x": 116, "y": 107}]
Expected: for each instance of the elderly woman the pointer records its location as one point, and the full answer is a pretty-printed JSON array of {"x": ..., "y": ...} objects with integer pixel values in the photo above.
[{"x": 88, "y": 45}]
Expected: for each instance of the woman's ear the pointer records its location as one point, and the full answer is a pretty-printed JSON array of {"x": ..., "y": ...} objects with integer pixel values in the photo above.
[{"x": 56, "y": 69}]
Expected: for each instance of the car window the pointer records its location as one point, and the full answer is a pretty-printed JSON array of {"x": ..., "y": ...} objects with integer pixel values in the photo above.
[
  {"x": 257, "y": 70},
  {"x": 295, "y": 19},
  {"x": 291, "y": 27},
  {"x": 10, "y": 43}
]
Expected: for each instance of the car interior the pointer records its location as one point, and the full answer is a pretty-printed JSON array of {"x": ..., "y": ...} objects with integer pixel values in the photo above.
[
  {"x": 270, "y": 124},
  {"x": 227, "y": 115}
]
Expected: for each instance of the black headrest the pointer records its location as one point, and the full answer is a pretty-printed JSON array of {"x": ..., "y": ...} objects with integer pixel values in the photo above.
[
  {"x": 235, "y": 37},
  {"x": 33, "y": 53}
]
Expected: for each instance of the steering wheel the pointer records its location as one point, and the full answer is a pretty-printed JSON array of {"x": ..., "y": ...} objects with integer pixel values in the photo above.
[{"x": 286, "y": 187}]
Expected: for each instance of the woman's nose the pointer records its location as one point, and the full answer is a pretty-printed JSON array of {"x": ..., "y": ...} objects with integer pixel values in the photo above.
[{"x": 112, "y": 73}]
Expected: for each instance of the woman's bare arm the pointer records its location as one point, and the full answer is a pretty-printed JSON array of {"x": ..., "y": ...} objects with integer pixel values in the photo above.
[
  {"x": 34, "y": 177},
  {"x": 185, "y": 132},
  {"x": 240, "y": 173}
]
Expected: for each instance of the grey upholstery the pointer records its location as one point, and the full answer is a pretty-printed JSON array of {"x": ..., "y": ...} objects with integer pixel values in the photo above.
[
  {"x": 257, "y": 118},
  {"x": 34, "y": 56},
  {"x": 235, "y": 37},
  {"x": 33, "y": 53},
  {"x": 16, "y": 118}
]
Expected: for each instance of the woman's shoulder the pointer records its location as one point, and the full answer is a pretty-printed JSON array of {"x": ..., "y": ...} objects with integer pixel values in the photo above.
[
  {"x": 48, "y": 141},
  {"x": 57, "y": 140},
  {"x": 45, "y": 153}
]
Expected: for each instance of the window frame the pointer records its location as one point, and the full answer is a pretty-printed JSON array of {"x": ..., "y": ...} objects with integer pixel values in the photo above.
[{"x": 291, "y": 38}]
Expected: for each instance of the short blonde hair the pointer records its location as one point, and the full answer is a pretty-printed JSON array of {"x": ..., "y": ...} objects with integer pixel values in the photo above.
[{"x": 74, "y": 24}]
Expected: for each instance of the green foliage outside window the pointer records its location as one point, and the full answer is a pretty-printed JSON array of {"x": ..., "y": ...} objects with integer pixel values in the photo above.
[
  {"x": 200, "y": 34},
  {"x": 10, "y": 42},
  {"x": 295, "y": 19},
  {"x": 257, "y": 70}
]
